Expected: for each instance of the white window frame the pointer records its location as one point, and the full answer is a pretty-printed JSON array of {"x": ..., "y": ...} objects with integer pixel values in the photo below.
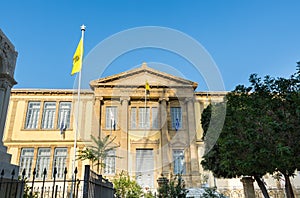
[
  {"x": 26, "y": 159},
  {"x": 110, "y": 162},
  {"x": 43, "y": 161},
  {"x": 176, "y": 113},
  {"x": 59, "y": 161},
  {"x": 64, "y": 115},
  {"x": 154, "y": 117},
  {"x": 133, "y": 114},
  {"x": 111, "y": 116},
  {"x": 32, "y": 115},
  {"x": 49, "y": 112},
  {"x": 178, "y": 161},
  {"x": 144, "y": 118}
]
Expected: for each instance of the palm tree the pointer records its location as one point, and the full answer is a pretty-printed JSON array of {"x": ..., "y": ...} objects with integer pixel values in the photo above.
[{"x": 98, "y": 151}]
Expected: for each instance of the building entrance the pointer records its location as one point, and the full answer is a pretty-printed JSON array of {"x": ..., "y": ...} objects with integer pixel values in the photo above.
[{"x": 145, "y": 167}]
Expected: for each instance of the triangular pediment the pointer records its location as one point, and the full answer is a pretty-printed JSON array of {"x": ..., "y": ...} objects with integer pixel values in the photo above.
[{"x": 138, "y": 77}]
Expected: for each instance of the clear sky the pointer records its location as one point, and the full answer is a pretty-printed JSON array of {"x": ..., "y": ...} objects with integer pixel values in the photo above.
[{"x": 243, "y": 37}]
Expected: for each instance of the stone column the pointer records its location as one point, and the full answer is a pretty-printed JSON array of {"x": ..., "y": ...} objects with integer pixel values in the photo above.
[
  {"x": 125, "y": 147},
  {"x": 96, "y": 128},
  {"x": 165, "y": 148},
  {"x": 8, "y": 57},
  {"x": 191, "y": 127},
  {"x": 248, "y": 187}
]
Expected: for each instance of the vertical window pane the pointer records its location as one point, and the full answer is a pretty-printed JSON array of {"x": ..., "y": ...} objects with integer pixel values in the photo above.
[
  {"x": 179, "y": 164},
  {"x": 110, "y": 162},
  {"x": 59, "y": 161},
  {"x": 32, "y": 116},
  {"x": 154, "y": 118},
  {"x": 176, "y": 116},
  {"x": 43, "y": 161},
  {"x": 49, "y": 115},
  {"x": 64, "y": 114},
  {"x": 144, "y": 118},
  {"x": 133, "y": 118},
  {"x": 111, "y": 117},
  {"x": 26, "y": 159}
]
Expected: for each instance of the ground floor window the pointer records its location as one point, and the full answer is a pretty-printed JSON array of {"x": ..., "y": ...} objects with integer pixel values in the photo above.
[{"x": 179, "y": 163}]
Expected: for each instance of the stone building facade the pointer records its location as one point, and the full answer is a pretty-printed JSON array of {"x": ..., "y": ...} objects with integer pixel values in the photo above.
[{"x": 158, "y": 130}]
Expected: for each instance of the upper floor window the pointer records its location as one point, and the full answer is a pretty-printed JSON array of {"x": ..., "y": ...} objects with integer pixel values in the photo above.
[
  {"x": 64, "y": 114},
  {"x": 111, "y": 117},
  {"x": 32, "y": 116},
  {"x": 144, "y": 118},
  {"x": 26, "y": 159},
  {"x": 60, "y": 158},
  {"x": 179, "y": 163},
  {"x": 176, "y": 118},
  {"x": 133, "y": 118},
  {"x": 154, "y": 118},
  {"x": 49, "y": 115}
]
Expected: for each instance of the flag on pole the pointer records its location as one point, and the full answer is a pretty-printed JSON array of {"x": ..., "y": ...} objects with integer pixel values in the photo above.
[
  {"x": 63, "y": 127},
  {"x": 177, "y": 124},
  {"x": 147, "y": 87},
  {"x": 77, "y": 58},
  {"x": 112, "y": 121}
]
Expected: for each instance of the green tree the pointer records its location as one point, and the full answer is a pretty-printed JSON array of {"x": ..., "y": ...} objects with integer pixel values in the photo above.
[
  {"x": 175, "y": 188},
  {"x": 261, "y": 122},
  {"x": 98, "y": 151},
  {"x": 125, "y": 187}
]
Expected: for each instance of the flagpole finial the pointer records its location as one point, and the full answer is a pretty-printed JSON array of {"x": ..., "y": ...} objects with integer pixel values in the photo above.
[{"x": 82, "y": 27}]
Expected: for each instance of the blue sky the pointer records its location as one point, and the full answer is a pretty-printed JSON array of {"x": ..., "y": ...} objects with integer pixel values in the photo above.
[{"x": 243, "y": 37}]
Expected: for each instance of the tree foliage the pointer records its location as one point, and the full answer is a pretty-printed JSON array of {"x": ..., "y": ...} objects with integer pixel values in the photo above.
[
  {"x": 126, "y": 187},
  {"x": 260, "y": 132},
  {"x": 98, "y": 151},
  {"x": 173, "y": 188}
]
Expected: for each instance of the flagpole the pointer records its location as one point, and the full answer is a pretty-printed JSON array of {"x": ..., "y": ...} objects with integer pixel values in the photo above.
[
  {"x": 82, "y": 27},
  {"x": 145, "y": 110}
]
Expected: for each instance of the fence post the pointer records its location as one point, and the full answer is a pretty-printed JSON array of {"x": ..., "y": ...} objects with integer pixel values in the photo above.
[{"x": 86, "y": 181}]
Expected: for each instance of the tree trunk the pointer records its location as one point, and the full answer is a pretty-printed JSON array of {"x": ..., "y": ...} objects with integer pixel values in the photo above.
[
  {"x": 97, "y": 166},
  {"x": 288, "y": 187},
  {"x": 262, "y": 186},
  {"x": 248, "y": 187}
]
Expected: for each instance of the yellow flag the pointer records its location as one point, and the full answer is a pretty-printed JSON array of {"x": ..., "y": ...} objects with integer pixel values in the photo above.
[
  {"x": 77, "y": 58},
  {"x": 147, "y": 87}
]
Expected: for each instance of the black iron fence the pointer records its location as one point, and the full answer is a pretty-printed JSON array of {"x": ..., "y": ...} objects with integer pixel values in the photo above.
[{"x": 92, "y": 186}]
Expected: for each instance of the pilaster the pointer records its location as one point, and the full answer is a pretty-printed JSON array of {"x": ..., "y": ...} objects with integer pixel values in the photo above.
[
  {"x": 125, "y": 143},
  {"x": 165, "y": 148}
]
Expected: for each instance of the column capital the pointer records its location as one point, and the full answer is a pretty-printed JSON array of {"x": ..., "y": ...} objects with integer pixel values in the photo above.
[
  {"x": 98, "y": 98},
  {"x": 163, "y": 99},
  {"x": 124, "y": 99},
  {"x": 189, "y": 99}
]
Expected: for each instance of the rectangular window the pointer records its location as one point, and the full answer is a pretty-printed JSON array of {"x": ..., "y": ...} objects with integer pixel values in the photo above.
[
  {"x": 43, "y": 162},
  {"x": 179, "y": 163},
  {"x": 176, "y": 116},
  {"x": 49, "y": 115},
  {"x": 32, "y": 116},
  {"x": 110, "y": 162},
  {"x": 59, "y": 161},
  {"x": 111, "y": 117},
  {"x": 64, "y": 114},
  {"x": 154, "y": 118},
  {"x": 144, "y": 118},
  {"x": 26, "y": 159},
  {"x": 133, "y": 118}
]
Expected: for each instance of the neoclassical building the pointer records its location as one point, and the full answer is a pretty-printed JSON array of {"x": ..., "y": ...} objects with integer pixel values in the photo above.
[{"x": 157, "y": 127}]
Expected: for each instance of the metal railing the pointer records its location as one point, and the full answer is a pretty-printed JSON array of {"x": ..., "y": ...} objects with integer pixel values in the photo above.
[{"x": 92, "y": 184}]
